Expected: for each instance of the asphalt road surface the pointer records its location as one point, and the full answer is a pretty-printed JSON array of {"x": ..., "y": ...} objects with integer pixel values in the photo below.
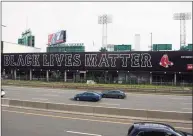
[
  {"x": 133, "y": 101},
  {"x": 21, "y": 122}
]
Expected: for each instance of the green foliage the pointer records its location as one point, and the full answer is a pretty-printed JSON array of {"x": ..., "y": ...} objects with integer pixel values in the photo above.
[{"x": 103, "y": 49}]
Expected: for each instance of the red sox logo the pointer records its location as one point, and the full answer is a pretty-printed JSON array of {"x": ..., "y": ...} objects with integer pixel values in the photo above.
[
  {"x": 164, "y": 62},
  {"x": 189, "y": 66}
]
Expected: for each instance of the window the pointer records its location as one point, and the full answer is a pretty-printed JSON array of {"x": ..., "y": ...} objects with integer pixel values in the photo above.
[
  {"x": 90, "y": 94},
  {"x": 87, "y": 94},
  {"x": 153, "y": 133},
  {"x": 115, "y": 92}
]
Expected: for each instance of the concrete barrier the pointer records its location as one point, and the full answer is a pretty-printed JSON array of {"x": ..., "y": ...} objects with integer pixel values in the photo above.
[
  {"x": 133, "y": 112},
  {"x": 100, "y": 110},
  {"x": 80, "y": 108},
  {"x": 120, "y": 112},
  {"x": 170, "y": 115},
  {"x": 4, "y": 101},
  {"x": 52, "y": 106},
  {"x": 18, "y": 103},
  {"x": 70, "y": 107},
  {"x": 29, "y": 104},
  {"x": 105, "y": 110},
  {"x": 38, "y": 105}
]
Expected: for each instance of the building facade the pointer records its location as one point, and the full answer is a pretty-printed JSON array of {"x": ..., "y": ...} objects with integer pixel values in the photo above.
[
  {"x": 27, "y": 39},
  {"x": 7, "y": 47},
  {"x": 119, "y": 48},
  {"x": 66, "y": 48}
]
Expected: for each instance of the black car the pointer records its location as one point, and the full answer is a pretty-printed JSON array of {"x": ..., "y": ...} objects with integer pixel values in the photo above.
[
  {"x": 87, "y": 96},
  {"x": 113, "y": 94},
  {"x": 154, "y": 129}
]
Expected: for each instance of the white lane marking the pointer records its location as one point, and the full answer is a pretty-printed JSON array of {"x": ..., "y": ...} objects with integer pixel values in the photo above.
[
  {"x": 187, "y": 108},
  {"x": 163, "y": 97},
  {"x": 159, "y": 95},
  {"x": 187, "y": 103},
  {"x": 49, "y": 91},
  {"x": 50, "y": 95},
  {"x": 5, "y": 105},
  {"x": 176, "y": 98},
  {"x": 183, "y": 128},
  {"x": 78, "y": 119},
  {"x": 109, "y": 104},
  {"x": 41, "y": 99},
  {"x": 83, "y": 133},
  {"x": 40, "y": 88},
  {"x": 59, "y": 91}
]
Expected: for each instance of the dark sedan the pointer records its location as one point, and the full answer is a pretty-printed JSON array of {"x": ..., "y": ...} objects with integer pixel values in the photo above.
[
  {"x": 113, "y": 94},
  {"x": 99, "y": 93},
  {"x": 154, "y": 129},
  {"x": 87, "y": 96}
]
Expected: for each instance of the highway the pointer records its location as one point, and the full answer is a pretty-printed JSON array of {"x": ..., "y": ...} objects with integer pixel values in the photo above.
[
  {"x": 133, "y": 101},
  {"x": 22, "y": 122}
]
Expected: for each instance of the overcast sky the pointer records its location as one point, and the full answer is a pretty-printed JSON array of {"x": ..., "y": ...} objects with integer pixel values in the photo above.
[{"x": 80, "y": 20}]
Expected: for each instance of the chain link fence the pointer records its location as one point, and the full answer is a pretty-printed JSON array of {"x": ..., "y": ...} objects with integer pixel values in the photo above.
[{"x": 100, "y": 78}]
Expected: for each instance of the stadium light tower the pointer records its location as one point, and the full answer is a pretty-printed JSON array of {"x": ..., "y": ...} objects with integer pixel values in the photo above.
[
  {"x": 104, "y": 20},
  {"x": 182, "y": 17},
  {"x": 137, "y": 42}
]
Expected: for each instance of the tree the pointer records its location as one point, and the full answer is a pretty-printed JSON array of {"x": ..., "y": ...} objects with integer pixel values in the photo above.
[
  {"x": 56, "y": 75},
  {"x": 103, "y": 49},
  {"x": 183, "y": 48}
]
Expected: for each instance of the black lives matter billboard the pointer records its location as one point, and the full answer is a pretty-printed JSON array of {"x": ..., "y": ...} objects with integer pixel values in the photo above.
[{"x": 176, "y": 61}]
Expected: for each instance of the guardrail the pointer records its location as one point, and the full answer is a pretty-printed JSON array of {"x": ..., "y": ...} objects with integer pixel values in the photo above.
[{"x": 186, "y": 116}]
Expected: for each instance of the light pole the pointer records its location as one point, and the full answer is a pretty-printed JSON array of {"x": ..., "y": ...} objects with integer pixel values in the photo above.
[
  {"x": 104, "y": 20},
  {"x": 151, "y": 42},
  {"x": 151, "y": 46},
  {"x": 137, "y": 42},
  {"x": 2, "y": 40},
  {"x": 182, "y": 17}
]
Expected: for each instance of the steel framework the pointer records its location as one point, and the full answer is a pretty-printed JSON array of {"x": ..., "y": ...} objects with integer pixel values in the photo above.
[
  {"x": 104, "y": 20},
  {"x": 182, "y": 17}
]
